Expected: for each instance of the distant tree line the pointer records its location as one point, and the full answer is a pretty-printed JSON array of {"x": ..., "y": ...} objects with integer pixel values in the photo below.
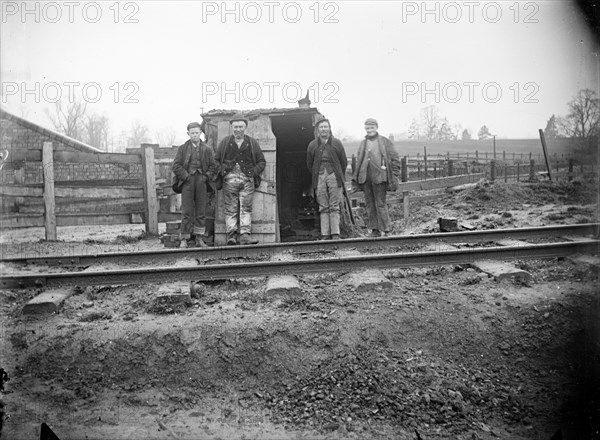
[
  {"x": 581, "y": 123},
  {"x": 72, "y": 118},
  {"x": 431, "y": 126}
]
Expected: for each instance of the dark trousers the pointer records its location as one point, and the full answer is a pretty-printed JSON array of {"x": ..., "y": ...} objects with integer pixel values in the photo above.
[
  {"x": 375, "y": 195},
  {"x": 193, "y": 206}
]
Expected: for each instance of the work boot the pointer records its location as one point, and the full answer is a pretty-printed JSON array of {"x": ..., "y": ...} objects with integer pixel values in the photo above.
[
  {"x": 247, "y": 239},
  {"x": 335, "y": 236},
  {"x": 209, "y": 240},
  {"x": 374, "y": 233},
  {"x": 183, "y": 244},
  {"x": 200, "y": 242},
  {"x": 325, "y": 237},
  {"x": 231, "y": 241},
  {"x": 386, "y": 234}
]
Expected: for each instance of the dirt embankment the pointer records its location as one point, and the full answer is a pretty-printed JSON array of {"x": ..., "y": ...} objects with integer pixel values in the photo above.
[{"x": 445, "y": 351}]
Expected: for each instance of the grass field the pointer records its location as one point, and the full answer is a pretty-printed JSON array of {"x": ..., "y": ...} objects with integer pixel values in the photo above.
[{"x": 517, "y": 146}]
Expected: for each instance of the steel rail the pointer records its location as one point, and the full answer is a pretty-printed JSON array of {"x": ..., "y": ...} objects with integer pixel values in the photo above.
[
  {"x": 164, "y": 256},
  {"x": 257, "y": 269}
]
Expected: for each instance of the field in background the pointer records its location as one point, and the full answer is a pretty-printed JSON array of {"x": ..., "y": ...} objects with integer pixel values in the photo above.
[{"x": 412, "y": 148}]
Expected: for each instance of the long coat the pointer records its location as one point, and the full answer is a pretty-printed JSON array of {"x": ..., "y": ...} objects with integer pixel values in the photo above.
[{"x": 336, "y": 150}]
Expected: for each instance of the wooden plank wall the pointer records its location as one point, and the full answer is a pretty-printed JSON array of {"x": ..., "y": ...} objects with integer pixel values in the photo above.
[{"x": 88, "y": 189}]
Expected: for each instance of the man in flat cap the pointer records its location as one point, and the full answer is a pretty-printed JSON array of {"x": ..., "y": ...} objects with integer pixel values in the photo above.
[
  {"x": 195, "y": 165},
  {"x": 377, "y": 170},
  {"x": 326, "y": 160},
  {"x": 241, "y": 163}
]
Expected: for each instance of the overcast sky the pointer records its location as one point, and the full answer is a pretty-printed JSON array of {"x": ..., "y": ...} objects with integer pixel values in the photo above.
[{"x": 509, "y": 65}]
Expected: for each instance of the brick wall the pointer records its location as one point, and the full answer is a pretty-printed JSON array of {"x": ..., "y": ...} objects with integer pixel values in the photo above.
[{"x": 24, "y": 141}]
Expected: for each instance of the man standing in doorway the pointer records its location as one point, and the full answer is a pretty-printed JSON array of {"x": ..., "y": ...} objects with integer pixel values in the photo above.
[
  {"x": 377, "y": 170},
  {"x": 326, "y": 159},
  {"x": 194, "y": 165},
  {"x": 241, "y": 162}
]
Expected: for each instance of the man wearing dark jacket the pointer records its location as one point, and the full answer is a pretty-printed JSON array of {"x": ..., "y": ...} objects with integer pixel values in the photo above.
[
  {"x": 326, "y": 160},
  {"x": 241, "y": 162},
  {"x": 194, "y": 165},
  {"x": 376, "y": 172}
]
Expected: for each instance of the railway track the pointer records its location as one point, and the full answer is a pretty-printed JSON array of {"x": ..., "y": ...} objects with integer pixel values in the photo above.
[{"x": 303, "y": 257}]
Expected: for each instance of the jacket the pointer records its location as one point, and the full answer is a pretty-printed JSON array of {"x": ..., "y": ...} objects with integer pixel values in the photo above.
[
  {"x": 253, "y": 160},
  {"x": 388, "y": 153},
  {"x": 182, "y": 161},
  {"x": 336, "y": 150}
]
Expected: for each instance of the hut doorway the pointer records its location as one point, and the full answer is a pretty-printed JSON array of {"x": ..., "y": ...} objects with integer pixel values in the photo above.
[{"x": 297, "y": 209}]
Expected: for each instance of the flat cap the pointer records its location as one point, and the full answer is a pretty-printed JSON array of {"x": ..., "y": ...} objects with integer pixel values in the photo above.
[
  {"x": 321, "y": 119},
  {"x": 194, "y": 125},
  {"x": 371, "y": 121},
  {"x": 238, "y": 117}
]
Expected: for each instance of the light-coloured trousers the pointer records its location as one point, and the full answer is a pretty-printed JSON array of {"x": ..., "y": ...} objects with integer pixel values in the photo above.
[
  {"x": 237, "y": 187},
  {"x": 329, "y": 196}
]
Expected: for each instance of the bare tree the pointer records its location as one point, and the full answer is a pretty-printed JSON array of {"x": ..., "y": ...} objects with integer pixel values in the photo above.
[
  {"x": 431, "y": 126},
  {"x": 582, "y": 123},
  {"x": 68, "y": 117},
  {"x": 484, "y": 133},
  {"x": 414, "y": 131},
  {"x": 457, "y": 128},
  {"x": 96, "y": 131},
  {"x": 583, "y": 118},
  {"x": 551, "y": 130},
  {"x": 445, "y": 133},
  {"x": 167, "y": 137},
  {"x": 430, "y": 121},
  {"x": 138, "y": 135}
]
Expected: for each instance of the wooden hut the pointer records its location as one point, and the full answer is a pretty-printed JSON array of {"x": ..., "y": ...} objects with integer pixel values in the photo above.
[{"x": 281, "y": 209}]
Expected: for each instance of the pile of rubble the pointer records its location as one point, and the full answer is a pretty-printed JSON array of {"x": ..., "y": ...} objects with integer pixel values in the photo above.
[{"x": 406, "y": 389}]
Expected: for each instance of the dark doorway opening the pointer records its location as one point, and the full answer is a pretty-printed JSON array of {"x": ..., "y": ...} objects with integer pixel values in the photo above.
[{"x": 297, "y": 209}]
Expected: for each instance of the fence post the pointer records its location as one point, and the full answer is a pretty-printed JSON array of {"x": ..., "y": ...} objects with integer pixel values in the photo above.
[
  {"x": 425, "y": 160},
  {"x": 450, "y": 168},
  {"x": 49, "y": 202},
  {"x": 531, "y": 170},
  {"x": 405, "y": 203},
  {"x": 505, "y": 172},
  {"x": 504, "y": 155},
  {"x": 435, "y": 171},
  {"x": 404, "y": 169},
  {"x": 150, "y": 199},
  {"x": 570, "y": 169},
  {"x": 518, "y": 171},
  {"x": 477, "y": 155},
  {"x": 419, "y": 170},
  {"x": 492, "y": 170}
]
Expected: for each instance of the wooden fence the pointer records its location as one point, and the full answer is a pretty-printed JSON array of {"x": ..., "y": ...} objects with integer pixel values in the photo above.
[
  {"x": 67, "y": 188},
  {"x": 80, "y": 188}
]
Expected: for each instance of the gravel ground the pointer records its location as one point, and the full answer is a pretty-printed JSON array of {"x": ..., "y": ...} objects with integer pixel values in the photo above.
[{"x": 442, "y": 352}]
